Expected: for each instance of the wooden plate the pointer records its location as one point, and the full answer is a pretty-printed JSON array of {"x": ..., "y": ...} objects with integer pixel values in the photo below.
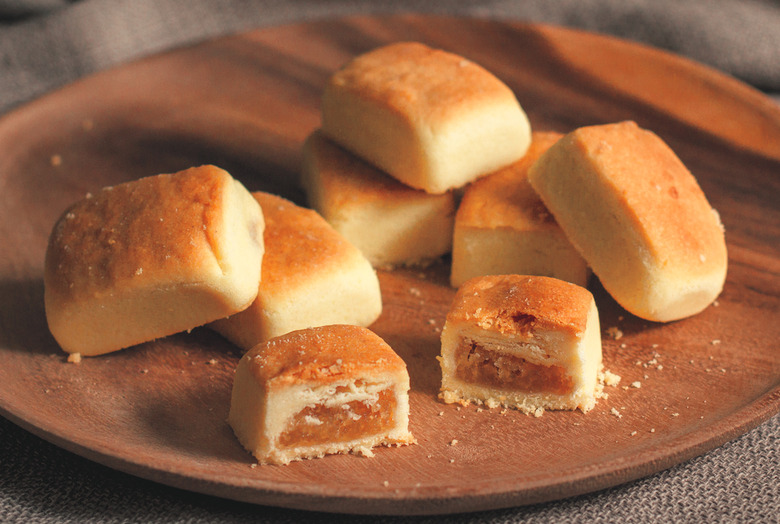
[{"x": 246, "y": 103}]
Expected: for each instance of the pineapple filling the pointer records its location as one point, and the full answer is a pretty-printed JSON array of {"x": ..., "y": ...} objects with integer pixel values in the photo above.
[
  {"x": 477, "y": 365},
  {"x": 321, "y": 424}
]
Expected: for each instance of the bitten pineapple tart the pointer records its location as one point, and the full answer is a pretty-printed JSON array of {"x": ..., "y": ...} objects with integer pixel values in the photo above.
[
  {"x": 318, "y": 391},
  {"x": 152, "y": 257},
  {"x": 524, "y": 342},
  {"x": 391, "y": 223},
  {"x": 312, "y": 276},
  {"x": 432, "y": 119},
  {"x": 502, "y": 227},
  {"x": 637, "y": 216}
]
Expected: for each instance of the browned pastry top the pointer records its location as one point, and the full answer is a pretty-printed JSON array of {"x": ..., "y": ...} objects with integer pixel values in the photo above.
[
  {"x": 520, "y": 304},
  {"x": 660, "y": 197},
  {"x": 506, "y": 198},
  {"x": 298, "y": 241},
  {"x": 321, "y": 355},
  {"x": 164, "y": 227},
  {"x": 424, "y": 84}
]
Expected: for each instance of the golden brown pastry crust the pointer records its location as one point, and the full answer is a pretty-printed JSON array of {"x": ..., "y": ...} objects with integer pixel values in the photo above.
[
  {"x": 657, "y": 190},
  {"x": 526, "y": 342},
  {"x": 150, "y": 258},
  {"x": 421, "y": 83},
  {"x": 311, "y": 276},
  {"x": 298, "y": 242},
  {"x": 521, "y": 304},
  {"x": 431, "y": 119},
  {"x": 503, "y": 227},
  {"x": 505, "y": 198},
  {"x": 322, "y": 354},
  {"x": 638, "y": 217},
  {"x": 105, "y": 240},
  {"x": 390, "y": 222},
  {"x": 318, "y": 391}
]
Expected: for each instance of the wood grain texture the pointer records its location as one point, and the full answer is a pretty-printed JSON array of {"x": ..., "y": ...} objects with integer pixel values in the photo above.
[{"x": 246, "y": 103}]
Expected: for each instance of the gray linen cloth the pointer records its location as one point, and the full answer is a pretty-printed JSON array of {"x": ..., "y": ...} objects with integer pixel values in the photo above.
[{"x": 45, "y": 44}]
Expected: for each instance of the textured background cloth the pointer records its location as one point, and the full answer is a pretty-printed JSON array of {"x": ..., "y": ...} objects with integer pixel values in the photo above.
[{"x": 45, "y": 44}]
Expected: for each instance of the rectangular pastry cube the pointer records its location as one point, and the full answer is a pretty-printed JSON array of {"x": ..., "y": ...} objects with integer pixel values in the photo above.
[
  {"x": 637, "y": 216},
  {"x": 312, "y": 276},
  {"x": 431, "y": 119},
  {"x": 319, "y": 391},
  {"x": 502, "y": 227},
  {"x": 524, "y": 342},
  {"x": 152, "y": 257},
  {"x": 391, "y": 223}
]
